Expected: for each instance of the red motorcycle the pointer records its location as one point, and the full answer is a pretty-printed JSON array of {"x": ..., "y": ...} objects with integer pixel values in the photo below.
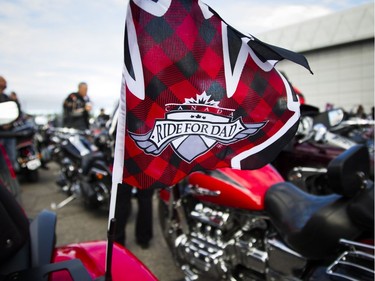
[
  {"x": 28, "y": 252},
  {"x": 230, "y": 224}
]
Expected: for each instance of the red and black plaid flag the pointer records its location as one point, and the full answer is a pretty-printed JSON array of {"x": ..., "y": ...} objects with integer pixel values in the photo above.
[{"x": 197, "y": 94}]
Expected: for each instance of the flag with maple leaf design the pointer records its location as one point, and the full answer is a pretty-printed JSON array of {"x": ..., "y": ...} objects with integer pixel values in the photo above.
[{"x": 197, "y": 95}]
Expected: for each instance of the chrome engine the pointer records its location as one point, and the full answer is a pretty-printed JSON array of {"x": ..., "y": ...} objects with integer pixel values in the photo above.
[{"x": 223, "y": 244}]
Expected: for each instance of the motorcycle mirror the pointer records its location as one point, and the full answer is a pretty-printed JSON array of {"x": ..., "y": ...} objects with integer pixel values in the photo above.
[
  {"x": 330, "y": 118},
  {"x": 9, "y": 112}
]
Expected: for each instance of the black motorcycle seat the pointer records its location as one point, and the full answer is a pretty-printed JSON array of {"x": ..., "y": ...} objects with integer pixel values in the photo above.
[
  {"x": 311, "y": 225},
  {"x": 88, "y": 159}
]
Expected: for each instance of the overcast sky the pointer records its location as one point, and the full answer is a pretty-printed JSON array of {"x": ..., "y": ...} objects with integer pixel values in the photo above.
[{"x": 48, "y": 47}]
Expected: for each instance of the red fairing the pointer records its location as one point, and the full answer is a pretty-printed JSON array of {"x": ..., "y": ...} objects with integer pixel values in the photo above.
[
  {"x": 243, "y": 189},
  {"x": 125, "y": 266}
]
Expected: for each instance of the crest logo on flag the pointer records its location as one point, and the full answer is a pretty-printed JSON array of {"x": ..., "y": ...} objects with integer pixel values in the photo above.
[{"x": 194, "y": 127}]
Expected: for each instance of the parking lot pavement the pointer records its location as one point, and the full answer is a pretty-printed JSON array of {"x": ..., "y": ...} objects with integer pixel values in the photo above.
[{"x": 76, "y": 224}]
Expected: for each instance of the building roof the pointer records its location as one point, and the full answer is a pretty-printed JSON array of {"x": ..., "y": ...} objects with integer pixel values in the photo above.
[{"x": 347, "y": 26}]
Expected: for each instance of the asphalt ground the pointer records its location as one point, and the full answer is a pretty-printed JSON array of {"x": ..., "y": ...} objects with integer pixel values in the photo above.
[{"x": 75, "y": 223}]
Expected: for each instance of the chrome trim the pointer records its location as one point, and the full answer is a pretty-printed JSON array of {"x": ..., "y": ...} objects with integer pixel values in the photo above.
[
  {"x": 310, "y": 170},
  {"x": 200, "y": 191},
  {"x": 277, "y": 244},
  {"x": 99, "y": 171},
  {"x": 347, "y": 261}
]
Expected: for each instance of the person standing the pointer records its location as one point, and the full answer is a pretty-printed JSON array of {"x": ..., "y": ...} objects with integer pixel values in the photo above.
[
  {"x": 9, "y": 143},
  {"x": 77, "y": 108},
  {"x": 143, "y": 224},
  {"x": 102, "y": 118},
  {"x": 3, "y": 86}
]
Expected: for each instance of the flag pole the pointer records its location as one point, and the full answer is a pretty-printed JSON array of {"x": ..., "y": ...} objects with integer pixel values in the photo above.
[
  {"x": 118, "y": 164},
  {"x": 111, "y": 239}
]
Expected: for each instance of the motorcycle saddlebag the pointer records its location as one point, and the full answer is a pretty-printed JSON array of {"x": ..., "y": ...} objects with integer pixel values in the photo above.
[{"x": 14, "y": 225}]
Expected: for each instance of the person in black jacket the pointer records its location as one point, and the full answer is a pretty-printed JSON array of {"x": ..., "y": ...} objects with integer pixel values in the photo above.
[
  {"x": 3, "y": 86},
  {"x": 9, "y": 143},
  {"x": 77, "y": 107},
  {"x": 102, "y": 118}
]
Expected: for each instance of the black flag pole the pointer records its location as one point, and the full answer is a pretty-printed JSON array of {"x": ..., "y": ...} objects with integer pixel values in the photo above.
[
  {"x": 118, "y": 163},
  {"x": 110, "y": 240}
]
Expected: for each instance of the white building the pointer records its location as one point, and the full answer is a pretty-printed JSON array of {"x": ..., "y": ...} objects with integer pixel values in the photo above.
[{"x": 340, "y": 51}]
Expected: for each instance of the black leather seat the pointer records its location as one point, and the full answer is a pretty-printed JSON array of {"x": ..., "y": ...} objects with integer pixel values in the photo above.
[{"x": 311, "y": 225}]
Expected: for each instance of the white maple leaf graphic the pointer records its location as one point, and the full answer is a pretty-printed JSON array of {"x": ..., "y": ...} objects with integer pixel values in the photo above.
[{"x": 202, "y": 99}]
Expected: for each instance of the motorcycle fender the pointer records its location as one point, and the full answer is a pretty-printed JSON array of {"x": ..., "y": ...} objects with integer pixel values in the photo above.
[{"x": 125, "y": 266}]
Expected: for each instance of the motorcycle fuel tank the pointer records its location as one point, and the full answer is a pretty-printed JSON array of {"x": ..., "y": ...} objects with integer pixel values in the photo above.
[{"x": 243, "y": 189}]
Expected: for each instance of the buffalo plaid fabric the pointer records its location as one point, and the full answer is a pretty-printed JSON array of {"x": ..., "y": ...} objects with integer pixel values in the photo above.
[{"x": 179, "y": 57}]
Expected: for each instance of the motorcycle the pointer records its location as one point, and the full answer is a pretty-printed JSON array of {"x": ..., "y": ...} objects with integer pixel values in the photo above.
[
  {"x": 28, "y": 156},
  {"x": 305, "y": 159},
  {"x": 359, "y": 128},
  {"x": 28, "y": 252},
  {"x": 42, "y": 139},
  {"x": 84, "y": 173},
  {"x": 231, "y": 224}
]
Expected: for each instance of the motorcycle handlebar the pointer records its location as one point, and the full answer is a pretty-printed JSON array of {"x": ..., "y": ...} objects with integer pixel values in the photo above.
[{"x": 320, "y": 133}]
